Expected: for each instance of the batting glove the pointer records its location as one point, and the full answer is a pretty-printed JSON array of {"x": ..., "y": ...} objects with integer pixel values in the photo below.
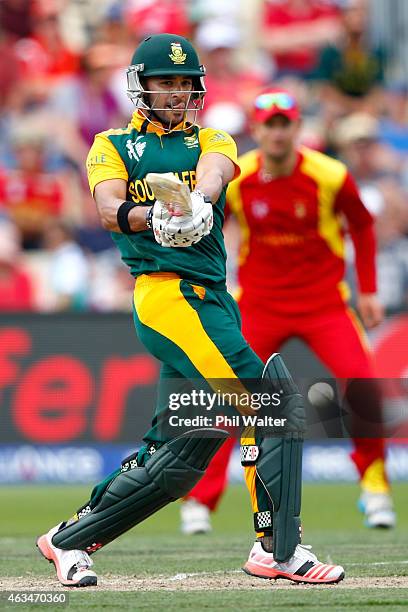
[
  {"x": 188, "y": 229},
  {"x": 160, "y": 217}
]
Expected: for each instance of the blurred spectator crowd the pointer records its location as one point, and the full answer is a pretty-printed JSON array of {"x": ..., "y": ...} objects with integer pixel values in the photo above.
[{"x": 62, "y": 74}]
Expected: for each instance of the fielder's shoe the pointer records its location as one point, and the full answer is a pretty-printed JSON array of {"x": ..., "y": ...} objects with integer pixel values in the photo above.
[
  {"x": 72, "y": 566},
  {"x": 195, "y": 517},
  {"x": 303, "y": 566},
  {"x": 378, "y": 510}
]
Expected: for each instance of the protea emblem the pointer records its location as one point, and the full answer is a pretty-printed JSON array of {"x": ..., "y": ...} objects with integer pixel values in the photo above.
[{"x": 177, "y": 56}]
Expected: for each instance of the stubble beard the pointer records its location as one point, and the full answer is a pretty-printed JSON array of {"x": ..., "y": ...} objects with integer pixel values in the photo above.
[{"x": 166, "y": 120}]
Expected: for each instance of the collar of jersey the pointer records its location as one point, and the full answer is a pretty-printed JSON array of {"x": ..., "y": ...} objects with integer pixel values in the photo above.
[{"x": 138, "y": 120}]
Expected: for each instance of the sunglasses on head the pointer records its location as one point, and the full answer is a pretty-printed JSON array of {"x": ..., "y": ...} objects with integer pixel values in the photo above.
[{"x": 281, "y": 100}]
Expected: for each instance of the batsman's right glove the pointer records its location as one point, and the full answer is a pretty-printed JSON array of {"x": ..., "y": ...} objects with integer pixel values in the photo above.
[{"x": 160, "y": 217}]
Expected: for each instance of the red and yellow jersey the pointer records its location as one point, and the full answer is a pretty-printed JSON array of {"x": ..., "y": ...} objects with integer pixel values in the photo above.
[{"x": 292, "y": 230}]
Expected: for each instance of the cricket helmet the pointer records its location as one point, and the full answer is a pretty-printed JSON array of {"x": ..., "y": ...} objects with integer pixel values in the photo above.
[{"x": 161, "y": 55}]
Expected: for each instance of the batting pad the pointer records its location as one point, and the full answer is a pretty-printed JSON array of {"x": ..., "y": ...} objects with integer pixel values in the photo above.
[
  {"x": 136, "y": 494},
  {"x": 278, "y": 464}
]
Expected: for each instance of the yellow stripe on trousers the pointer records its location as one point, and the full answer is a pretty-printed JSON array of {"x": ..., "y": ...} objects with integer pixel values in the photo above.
[
  {"x": 361, "y": 333},
  {"x": 250, "y": 479},
  {"x": 161, "y": 306},
  {"x": 248, "y": 439}
]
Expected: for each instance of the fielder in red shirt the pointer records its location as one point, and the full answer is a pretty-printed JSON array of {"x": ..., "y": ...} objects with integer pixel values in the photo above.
[{"x": 293, "y": 206}]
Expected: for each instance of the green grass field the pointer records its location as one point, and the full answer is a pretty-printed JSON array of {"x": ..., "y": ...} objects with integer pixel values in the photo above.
[{"x": 155, "y": 568}]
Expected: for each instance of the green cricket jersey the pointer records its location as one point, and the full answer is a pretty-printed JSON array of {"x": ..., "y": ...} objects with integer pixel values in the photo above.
[{"x": 131, "y": 153}]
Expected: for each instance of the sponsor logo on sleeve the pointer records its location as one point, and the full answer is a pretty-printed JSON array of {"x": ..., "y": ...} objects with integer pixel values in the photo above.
[{"x": 218, "y": 137}]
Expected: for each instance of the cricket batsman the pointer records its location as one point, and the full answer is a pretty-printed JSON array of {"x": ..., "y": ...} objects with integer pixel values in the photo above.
[
  {"x": 184, "y": 316},
  {"x": 293, "y": 206}
]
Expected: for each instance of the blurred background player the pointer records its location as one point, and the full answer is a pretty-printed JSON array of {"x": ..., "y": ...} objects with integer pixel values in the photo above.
[{"x": 292, "y": 206}]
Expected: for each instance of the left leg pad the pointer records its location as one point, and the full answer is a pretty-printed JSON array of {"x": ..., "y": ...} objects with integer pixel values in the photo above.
[{"x": 134, "y": 495}]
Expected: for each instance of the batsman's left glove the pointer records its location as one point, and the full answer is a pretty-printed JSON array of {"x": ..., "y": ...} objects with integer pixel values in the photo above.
[{"x": 188, "y": 229}]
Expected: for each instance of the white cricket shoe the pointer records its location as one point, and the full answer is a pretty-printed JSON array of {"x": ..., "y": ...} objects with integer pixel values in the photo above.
[
  {"x": 303, "y": 566},
  {"x": 378, "y": 510},
  {"x": 195, "y": 517},
  {"x": 72, "y": 566}
]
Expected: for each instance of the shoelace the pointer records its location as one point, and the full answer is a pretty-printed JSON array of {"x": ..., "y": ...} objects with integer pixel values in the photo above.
[{"x": 306, "y": 552}]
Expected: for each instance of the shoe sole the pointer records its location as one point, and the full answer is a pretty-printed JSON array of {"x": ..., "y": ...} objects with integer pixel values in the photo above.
[
  {"x": 251, "y": 570},
  {"x": 380, "y": 526},
  {"x": 48, "y": 554}
]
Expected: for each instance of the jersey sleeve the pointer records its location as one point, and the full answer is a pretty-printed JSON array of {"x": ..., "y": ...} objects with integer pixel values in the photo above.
[
  {"x": 218, "y": 141},
  {"x": 104, "y": 162},
  {"x": 360, "y": 222}
]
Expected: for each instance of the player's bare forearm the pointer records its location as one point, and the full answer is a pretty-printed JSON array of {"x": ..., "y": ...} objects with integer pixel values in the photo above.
[
  {"x": 214, "y": 171},
  {"x": 371, "y": 310},
  {"x": 136, "y": 217},
  {"x": 109, "y": 195}
]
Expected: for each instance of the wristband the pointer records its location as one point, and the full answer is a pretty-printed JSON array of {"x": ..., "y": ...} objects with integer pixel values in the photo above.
[{"x": 122, "y": 217}]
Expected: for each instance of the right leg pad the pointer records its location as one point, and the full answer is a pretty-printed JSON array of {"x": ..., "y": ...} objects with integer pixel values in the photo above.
[{"x": 278, "y": 464}]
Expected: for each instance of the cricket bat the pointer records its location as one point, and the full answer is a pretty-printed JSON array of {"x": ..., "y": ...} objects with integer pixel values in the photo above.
[{"x": 170, "y": 190}]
